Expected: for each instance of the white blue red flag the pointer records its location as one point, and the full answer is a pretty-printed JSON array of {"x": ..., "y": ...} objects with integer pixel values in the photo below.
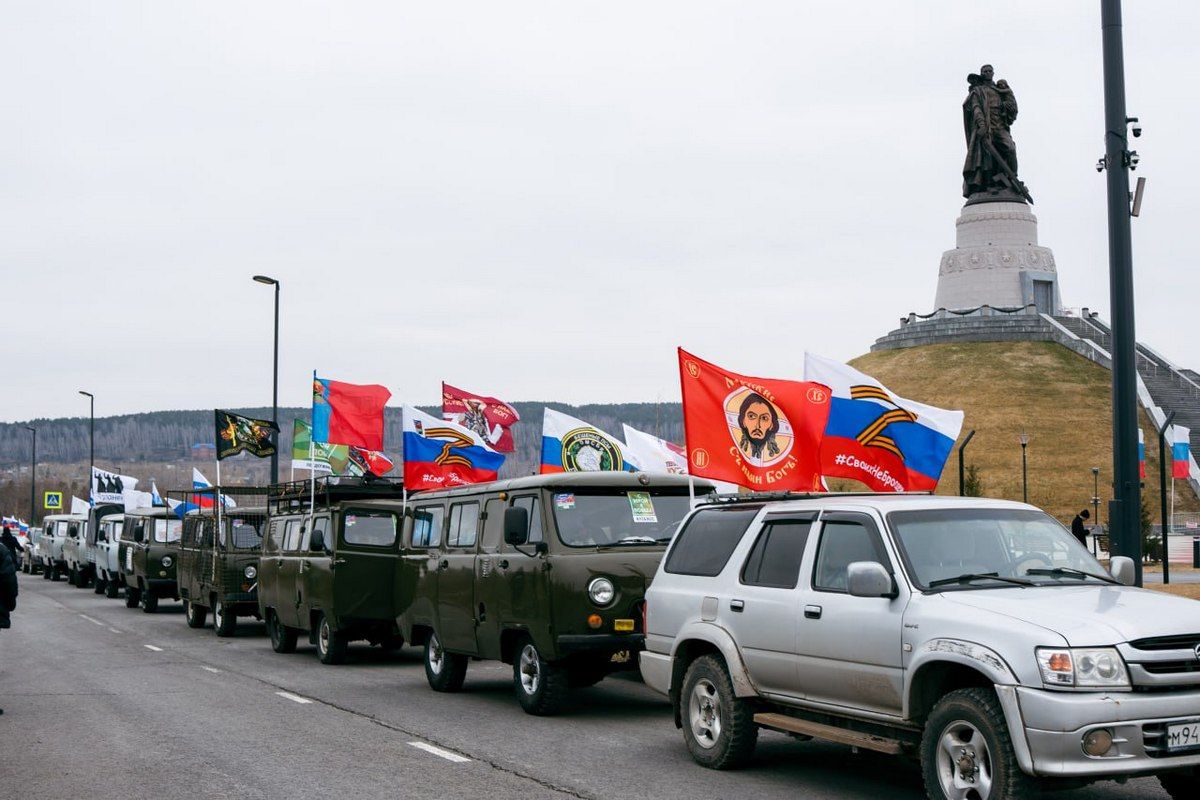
[
  {"x": 440, "y": 455},
  {"x": 652, "y": 454},
  {"x": 1181, "y": 455},
  {"x": 572, "y": 445},
  {"x": 1141, "y": 454},
  {"x": 874, "y": 436}
]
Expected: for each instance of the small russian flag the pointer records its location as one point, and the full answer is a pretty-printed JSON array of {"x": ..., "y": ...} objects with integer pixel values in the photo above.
[
  {"x": 1141, "y": 454},
  {"x": 1181, "y": 455}
]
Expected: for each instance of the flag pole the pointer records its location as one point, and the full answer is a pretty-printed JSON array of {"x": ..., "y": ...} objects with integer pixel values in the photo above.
[
  {"x": 691, "y": 491},
  {"x": 312, "y": 472},
  {"x": 217, "y": 499}
]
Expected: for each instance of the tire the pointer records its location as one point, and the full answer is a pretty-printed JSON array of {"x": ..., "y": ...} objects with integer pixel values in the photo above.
[
  {"x": 224, "y": 623},
  {"x": 112, "y": 589},
  {"x": 541, "y": 686},
  {"x": 149, "y": 602},
  {"x": 132, "y": 597},
  {"x": 1183, "y": 785},
  {"x": 194, "y": 615},
  {"x": 45, "y": 573},
  {"x": 100, "y": 586},
  {"x": 56, "y": 573},
  {"x": 73, "y": 577},
  {"x": 331, "y": 644},
  {"x": 718, "y": 726},
  {"x": 966, "y": 750},
  {"x": 283, "y": 638},
  {"x": 444, "y": 671}
]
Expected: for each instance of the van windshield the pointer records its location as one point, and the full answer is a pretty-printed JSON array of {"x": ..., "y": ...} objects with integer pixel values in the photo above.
[
  {"x": 621, "y": 518},
  {"x": 974, "y": 548},
  {"x": 247, "y": 532},
  {"x": 167, "y": 530}
]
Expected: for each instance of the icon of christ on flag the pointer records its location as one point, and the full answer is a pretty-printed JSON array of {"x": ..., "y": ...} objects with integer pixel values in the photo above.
[{"x": 761, "y": 433}]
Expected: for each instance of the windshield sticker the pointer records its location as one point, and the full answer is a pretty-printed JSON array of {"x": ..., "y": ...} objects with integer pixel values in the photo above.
[
  {"x": 564, "y": 502},
  {"x": 642, "y": 507},
  {"x": 350, "y": 520}
]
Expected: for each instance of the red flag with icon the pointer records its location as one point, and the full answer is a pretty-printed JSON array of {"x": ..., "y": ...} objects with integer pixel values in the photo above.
[{"x": 761, "y": 433}]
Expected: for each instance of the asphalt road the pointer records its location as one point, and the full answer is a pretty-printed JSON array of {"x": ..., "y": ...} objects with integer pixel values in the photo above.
[{"x": 105, "y": 702}]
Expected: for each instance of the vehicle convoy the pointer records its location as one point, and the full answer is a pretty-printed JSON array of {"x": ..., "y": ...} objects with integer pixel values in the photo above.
[
  {"x": 106, "y": 565},
  {"x": 32, "y": 544},
  {"x": 976, "y": 635},
  {"x": 91, "y": 545},
  {"x": 219, "y": 573},
  {"x": 545, "y": 573},
  {"x": 57, "y": 530},
  {"x": 147, "y": 552},
  {"x": 328, "y": 564}
]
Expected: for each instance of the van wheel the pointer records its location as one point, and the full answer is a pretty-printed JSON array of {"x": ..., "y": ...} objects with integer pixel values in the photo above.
[
  {"x": 541, "y": 686},
  {"x": 194, "y": 614},
  {"x": 45, "y": 573},
  {"x": 966, "y": 751},
  {"x": 444, "y": 671},
  {"x": 149, "y": 602},
  {"x": 100, "y": 586},
  {"x": 224, "y": 623},
  {"x": 283, "y": 638},
  {"x": 1180, "y": 785},
  {"x": 132, "y": 597},
  {"x": 331, "y": 644},
  {"x": 72, "y": 577},
  {"x": 718, "y": 726},
  {"x": 111, "y": 589}
]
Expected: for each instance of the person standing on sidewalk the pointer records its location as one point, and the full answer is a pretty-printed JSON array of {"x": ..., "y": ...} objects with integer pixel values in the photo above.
[
  {"x": 8, "y": 588},
  {"x": 1078, "y": 529}
]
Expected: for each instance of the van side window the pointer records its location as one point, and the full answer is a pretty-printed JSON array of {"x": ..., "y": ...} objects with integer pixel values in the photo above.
[
  {"x": 464, "y": 525},
  {"x": 371, "y": 528},
  {"x": 842, "y": 543},
  {"x": 530, "y": 504},
  {"x": 291, "y": 536},
  {"x": 708, "y": 539},
  {"x": 274, "y": 541},
  {"x": 427, "y": 526},
  {"x": 774, "y": 561},
  {"x": 322, "y": 524},
  {"x": 493, "y": 525}
]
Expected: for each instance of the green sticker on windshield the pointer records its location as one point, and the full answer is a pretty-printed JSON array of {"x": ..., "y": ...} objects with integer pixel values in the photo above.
[{"x": 642, "y": 507}]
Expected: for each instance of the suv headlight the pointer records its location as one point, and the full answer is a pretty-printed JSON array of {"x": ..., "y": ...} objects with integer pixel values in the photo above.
[
  {"x": 166, "y": 561},
  {"x": 601, "y": 591},
  {"x": 251, "y": 572},
  {"x": 1082, "y": 668}
]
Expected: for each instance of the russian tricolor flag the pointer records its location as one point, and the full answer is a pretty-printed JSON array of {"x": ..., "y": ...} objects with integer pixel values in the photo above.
[
  {"x": 1181, "y": 455},
  {"x": 572, "y": 445},
  {"x": 874, "y": 436},
  {"x": 441, "y": 455},
  {"x": 1141, "y": 454}
]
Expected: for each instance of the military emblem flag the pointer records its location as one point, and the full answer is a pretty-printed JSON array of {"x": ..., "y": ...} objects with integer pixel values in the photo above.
[
  {"x": 761, "y": 433},
  {"x": 572, "y": 445},
  {"x": 235, "y": 433},
  {"x": 487, "y": 416}
]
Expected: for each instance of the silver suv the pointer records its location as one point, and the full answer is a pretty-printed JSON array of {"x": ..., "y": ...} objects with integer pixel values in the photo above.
[{"x": 977, "y": 635}]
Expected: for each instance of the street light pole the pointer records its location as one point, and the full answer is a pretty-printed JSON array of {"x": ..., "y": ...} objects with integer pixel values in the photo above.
[
  {"x": 274, "y": 381},
  {"x": 91, "y": 437},
  {"x": 1123, "y": 514},
  {"x": 32, "y": 477},
  {"x": 1024, "y": 469},
  {"x": 1095, "y": 504}
]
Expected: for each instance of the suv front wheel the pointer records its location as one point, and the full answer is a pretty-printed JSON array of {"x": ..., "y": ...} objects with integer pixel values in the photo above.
[
  {"x": 444, "y": 671},
  {"x": 967, "y": 753},
  {"x": 718, "y": 726}
]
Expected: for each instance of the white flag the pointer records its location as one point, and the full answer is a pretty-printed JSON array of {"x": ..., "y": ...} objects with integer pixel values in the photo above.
[
  {"x": 135, "y": 499},
  {"x": 651, "y": 454},
  {"x": 80, "y": 506},
  {"x": 109, "y": 487}
]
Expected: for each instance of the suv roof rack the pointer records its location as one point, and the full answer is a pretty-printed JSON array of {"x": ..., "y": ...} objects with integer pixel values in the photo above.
[
  {"x": 293, "y": 497},
  {"x": 759, "y": 497}
]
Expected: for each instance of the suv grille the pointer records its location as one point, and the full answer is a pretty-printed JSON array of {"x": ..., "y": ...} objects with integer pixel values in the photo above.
[
  {"x": 1163, "y": 662},
  {"x": 1187, "y": 641}
]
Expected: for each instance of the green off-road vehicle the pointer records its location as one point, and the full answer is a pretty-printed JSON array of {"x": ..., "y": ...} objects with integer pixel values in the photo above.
[
  {"x": 219, "y": 573},
  {"x": 147, "y": 551},
  {"x": 328, "y": 565},
  {"x": 545, "y": 573}
]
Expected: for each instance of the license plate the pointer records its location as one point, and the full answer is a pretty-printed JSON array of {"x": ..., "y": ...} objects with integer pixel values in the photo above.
[
  {"x": 623, "y": 625},
  {"x": 1182, "y": 736}
]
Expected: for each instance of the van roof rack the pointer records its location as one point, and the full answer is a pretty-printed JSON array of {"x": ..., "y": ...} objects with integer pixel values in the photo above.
[
  {"x": 293, "y": 497},
  {"x": 761, "y": 497}
]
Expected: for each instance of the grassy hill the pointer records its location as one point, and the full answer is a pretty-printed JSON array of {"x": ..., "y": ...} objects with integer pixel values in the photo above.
[{"x": 1062, "y": 400}]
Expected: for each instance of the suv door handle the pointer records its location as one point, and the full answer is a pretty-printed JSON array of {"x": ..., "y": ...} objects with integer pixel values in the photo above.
[
  {"x": 736, "y": 605},
  {"x": 443, "y": 564},
  {"x": 336, "y": 561},
  {"x": 812, "y": 612},
  {"x": 503, "y": 563}
]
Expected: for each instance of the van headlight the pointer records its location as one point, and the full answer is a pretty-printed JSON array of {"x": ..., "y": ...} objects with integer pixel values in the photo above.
[
  {"x": 1082, "y": 668},
  {"x": 601, "y": 591},
  {"x": 251, "y": 572},
  {"x": 167, "y": 561}
]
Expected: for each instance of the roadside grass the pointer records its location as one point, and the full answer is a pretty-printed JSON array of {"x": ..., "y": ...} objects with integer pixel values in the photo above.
[
  {"x": 1191, "y": 590},
  {"x": 1060, "y": 399}
]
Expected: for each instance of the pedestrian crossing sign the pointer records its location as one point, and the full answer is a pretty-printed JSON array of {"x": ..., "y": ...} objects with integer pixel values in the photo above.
[{"x": 53, "y": 501}]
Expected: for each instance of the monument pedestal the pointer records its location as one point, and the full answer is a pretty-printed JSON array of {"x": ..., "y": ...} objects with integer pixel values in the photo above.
[{"x": 998, "y": 262}]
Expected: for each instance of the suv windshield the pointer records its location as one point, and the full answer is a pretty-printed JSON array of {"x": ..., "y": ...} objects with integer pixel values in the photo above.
[
  {"x": 247, "y": 533},
  {"x": 167, "y": 530},
  {"x": 626, "y": 518},
  {"x": 981, "y": 545}
]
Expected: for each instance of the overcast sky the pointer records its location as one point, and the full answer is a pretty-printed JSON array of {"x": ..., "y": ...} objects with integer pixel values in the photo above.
[{"x": 538, "y": 200}]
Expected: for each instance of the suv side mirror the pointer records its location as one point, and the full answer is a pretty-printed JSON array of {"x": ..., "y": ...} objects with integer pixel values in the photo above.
[
  {"x": 316, "y": 542},
  {"x": 869, "y": 579},
  {"x": 516, "y": 525},
  {"x": 1122, "y": 570}
]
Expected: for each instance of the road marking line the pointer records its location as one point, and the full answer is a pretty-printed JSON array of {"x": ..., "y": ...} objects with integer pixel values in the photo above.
[
  {"x": 212, "y": 669},
  {"x": 114, "y": 630},
  {"x": 440, "y": 752},
  {"x": 93, "y": 621},
  {"x": 152, "y": 647},
  {"x": 295, "y": 698}
]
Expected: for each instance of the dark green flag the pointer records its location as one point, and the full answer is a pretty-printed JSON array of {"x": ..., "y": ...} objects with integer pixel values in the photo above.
[{"x": 237, "y": 433}]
